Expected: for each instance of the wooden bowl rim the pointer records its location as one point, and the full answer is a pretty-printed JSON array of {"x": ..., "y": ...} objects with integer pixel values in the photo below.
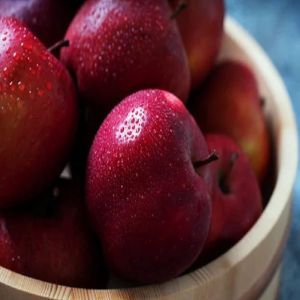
[{"x": 287, "y": 159}]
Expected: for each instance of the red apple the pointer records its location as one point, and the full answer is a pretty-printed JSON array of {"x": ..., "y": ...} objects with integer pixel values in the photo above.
[
  {"x": 147, "y": 194},
  {"x": 201, "y": 27},
  {"x": 38, "y": 114},
  {"x": 229, "y": 102},
  {"x": 236, "y": 197},
  {"x": 53, "y": 244},
  {"x": 119, "y": 47},
  {"x": 47, "y": 19}
]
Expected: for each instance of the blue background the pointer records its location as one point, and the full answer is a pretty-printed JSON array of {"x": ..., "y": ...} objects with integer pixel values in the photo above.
[{"x": 276, "y": 26}]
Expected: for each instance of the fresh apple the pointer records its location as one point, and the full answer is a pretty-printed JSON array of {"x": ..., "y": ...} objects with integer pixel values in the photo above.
[
  {"x": 201, "y": 26},
  {"x": 236, "y": 197},
  {"x": 38, "y": 114},
  {"x": 147, "y": 187},
  {"x": 119, "y": 47},
  {"x": 53, "y": 242},
  {"x": 47, "y": 19},
  {"x": 229, "y": 102}
]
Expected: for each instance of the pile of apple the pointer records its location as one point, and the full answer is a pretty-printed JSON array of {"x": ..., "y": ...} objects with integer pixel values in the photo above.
[{"x": 158, "y": 187}]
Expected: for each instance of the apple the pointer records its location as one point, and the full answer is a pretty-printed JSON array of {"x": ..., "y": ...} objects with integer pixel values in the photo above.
[
  {"x": 53, "y": 242},
  {"x": 119, "y": 47},
  {"x": 236, "y": 197},
  {"x": 228, "y": 102},
  {"x": 200, "y": 23},
  {"x": 147, "y": 187},
  {"x": 47, "y": 19},
  {"x": 38, "y": 114}
]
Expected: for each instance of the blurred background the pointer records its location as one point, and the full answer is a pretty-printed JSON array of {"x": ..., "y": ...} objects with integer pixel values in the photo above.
[{"x": 276, "y": 26}]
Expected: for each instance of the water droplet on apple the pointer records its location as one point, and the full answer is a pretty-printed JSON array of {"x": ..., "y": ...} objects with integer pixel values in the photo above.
[
  {"x": 21, "y": 86},
  {"x": 126, "y": 131}
]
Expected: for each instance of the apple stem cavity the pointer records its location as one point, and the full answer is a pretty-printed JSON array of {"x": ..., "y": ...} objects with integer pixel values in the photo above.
[
  {"x": 210, "y": 158},
  {"x": 57, "y": 46},
  {"x": 179, "y": 9},
  {"x": 223, "y": 181}
]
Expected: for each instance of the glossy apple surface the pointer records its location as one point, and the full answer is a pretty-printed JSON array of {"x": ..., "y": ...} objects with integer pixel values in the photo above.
[
  {"x": 53, "y": 243},
  {"x": 38, "y": 114},
  {"x": 201, "y": 28},
  {"x": 148, "y": 203},
  {"x": 236, "y": 197},
  {"x": 47, "y": 19},
  {"x": 119, "y": 47},
  {"x": 229, "y": 103}
]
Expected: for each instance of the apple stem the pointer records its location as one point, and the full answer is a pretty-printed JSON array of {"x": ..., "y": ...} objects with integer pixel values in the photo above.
[
  {"x": 210, "y": 158},
  {"x": 59, "y": 45},
  {"x": 180, "y": 8}
]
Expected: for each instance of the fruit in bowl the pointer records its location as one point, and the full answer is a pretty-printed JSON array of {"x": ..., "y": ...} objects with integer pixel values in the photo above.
[
  {"x": 38, "y": 114},
  {"x": 229, "y": 103},
  {"x": 148, "y": 189},
  {"x": 117, "y": 46},
  {"x": 200, "y": 23},
  {"x": 152, "y": 227},
  {"x": 51, "y": 240},
  {"x": 236, "y": 197},
  {"x": 47, "y": 19}
]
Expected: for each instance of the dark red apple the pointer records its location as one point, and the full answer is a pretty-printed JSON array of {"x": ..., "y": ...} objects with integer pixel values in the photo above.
[
  {"x": 53, "y": 243},
  {"x": 47, "y": 19},
  {"x": 38, "y": 114},
  {"x": 119, "y": 47},
  {"x": 147, "y": 194},
  {"x": 236, "y": 197},
  {"x": 201, "y": 26},
  {"x": 229, "y": 103}
]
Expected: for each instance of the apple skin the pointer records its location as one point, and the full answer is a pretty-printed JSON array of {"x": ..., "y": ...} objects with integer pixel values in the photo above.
[
  {"x": 47, "y": 19},
  {"x": 201, "y": 28},
  {"x": 53, "y": 242},
  {"x": 228, "y": 102},
  {"x": 119, "y": 47},
  {"x": 38, "y": 114},
  {"x": 236, "y": 197},
  {"x": 149, "y": 207}
]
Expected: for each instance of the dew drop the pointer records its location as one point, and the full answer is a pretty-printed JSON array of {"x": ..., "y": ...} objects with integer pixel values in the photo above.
[{"x": 21, "y": 86}]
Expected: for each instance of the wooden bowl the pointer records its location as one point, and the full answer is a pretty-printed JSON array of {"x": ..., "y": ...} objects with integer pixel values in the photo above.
[{"x": 249, "y": 270}]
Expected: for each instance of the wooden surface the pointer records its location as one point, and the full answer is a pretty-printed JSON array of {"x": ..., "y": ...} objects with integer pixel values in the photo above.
[
  {"x": 275, "y": 24},
  {"x": 245, "y": 270},
  {"x": 272, "y": 290}
]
